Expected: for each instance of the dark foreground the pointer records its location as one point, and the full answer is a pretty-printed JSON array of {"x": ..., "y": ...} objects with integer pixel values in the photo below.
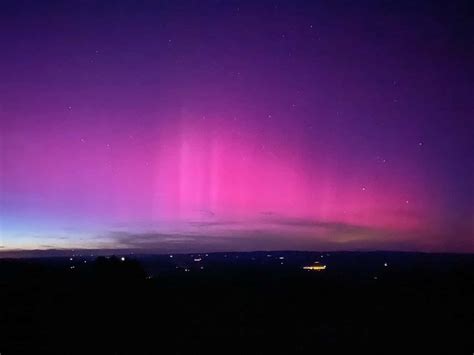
[{"x": 239, "y": 303}]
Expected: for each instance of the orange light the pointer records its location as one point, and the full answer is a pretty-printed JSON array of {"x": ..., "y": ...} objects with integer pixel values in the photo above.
[{"x": 315, "y": 267}]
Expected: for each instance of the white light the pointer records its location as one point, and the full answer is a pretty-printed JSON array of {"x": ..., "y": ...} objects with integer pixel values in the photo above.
[
  {"x": 70, "y": 259},
  {"x": 282, "y": 258},
  {"x": 122, "y": 258},
  {"x": 171, "y": 256},
  {"x": 385, "y": 264}
]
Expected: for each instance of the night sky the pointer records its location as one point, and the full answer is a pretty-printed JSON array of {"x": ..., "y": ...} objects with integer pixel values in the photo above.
[{"x": 178, "y": 126}]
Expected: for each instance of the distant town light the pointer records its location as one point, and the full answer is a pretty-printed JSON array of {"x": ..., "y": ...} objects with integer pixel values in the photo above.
[
  {"x": 171, "y": 255},
  {"x": 282, "y": 258},
  {"x": 197, "y": 259},
  {"x": 385, "y": 264},
  {"x": 122, "y": 258},
  {"x": 315, "y": 267}
]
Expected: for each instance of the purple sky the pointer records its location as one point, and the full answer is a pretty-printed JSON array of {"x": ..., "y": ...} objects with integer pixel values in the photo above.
[{"x": 236, "y": 125}]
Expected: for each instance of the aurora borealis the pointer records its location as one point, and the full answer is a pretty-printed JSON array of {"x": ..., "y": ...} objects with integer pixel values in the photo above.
[{"x": 240, "y": 125}]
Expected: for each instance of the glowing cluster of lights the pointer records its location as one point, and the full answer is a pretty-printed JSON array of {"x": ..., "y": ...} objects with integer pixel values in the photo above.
[{"x": 315, "y": 267}]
